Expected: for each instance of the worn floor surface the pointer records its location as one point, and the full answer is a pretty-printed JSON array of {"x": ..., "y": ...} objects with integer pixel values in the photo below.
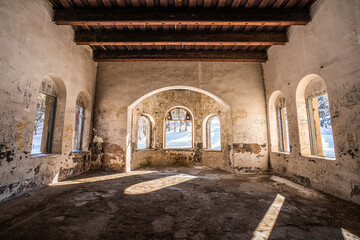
[{"x": 183, "y": 203}]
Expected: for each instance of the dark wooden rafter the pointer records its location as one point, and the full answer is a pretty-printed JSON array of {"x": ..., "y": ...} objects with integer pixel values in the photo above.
[
  {"x": 176, "y": 55},
  {"x": 176, "y": 16},
  {"x": 181, "y": 38},
  {"x": 175, "y": 30},
  {"x": 181, "y": 3}
]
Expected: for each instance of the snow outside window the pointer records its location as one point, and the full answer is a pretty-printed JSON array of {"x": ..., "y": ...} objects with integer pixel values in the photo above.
[
  {"x": 283, "y": 133},
  {"x": 214, "y": 135},
  {"x": 321, "y": 135},
  {"x": 44, "y": 122},
  {"x": 178, "y": 129}
]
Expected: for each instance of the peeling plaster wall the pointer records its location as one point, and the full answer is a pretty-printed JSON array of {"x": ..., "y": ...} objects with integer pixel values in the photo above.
[
  {"x": 33, "y": 48},
  {"x": 200, "y": 106},
  {"x": 240, "y": 85},
  {"x": 330, "y": 47}
]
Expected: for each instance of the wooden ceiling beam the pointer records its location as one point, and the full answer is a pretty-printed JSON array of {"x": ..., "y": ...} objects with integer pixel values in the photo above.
[
  {"x": 180, "y": 38},
  {"x": 180, "y": 16},
  {"x": 178, "y": 55}
]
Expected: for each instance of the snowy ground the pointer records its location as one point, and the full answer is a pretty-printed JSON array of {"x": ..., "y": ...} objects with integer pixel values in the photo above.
[
  {"x": 179, "y": 139},
  {"x": 36, "y": 142},
  {"x": 215, "y": 134},
  {"x": 183, "y": 139},
  {"x": 327, "y": 141},
  {"x": 142, "y": 143},
  {"x": 176, "y": 139}
]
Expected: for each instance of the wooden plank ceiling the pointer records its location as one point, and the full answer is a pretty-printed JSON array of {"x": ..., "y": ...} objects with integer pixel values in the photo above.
[{"x": 181, "y": 30}]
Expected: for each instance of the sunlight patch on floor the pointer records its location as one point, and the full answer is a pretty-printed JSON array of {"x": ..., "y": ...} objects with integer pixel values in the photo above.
[
  {"x": 266, "y": 225},
  {"x": 348, "y": 235},
  {"x": 157, "y": 184}
]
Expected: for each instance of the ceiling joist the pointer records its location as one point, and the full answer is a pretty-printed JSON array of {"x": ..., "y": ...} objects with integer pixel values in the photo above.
[
  {"x": 181, "y": 38},
  {"x": 180, "y": 16},
  {"x": 203, "y": 30},
  {"x": 179, "y": 55}
]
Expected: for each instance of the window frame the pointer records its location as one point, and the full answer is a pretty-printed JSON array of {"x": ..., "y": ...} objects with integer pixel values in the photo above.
[
  {"x": 148, "y": 136},
  {"x": 192, "y": 128},
  {"x": 208, "y": 133},
  {"x": 312, "y": 129},
  {"x": 282, "y": 124},
  {"x": 79, "y": 137},
  {"x": 49, "y": 131}
]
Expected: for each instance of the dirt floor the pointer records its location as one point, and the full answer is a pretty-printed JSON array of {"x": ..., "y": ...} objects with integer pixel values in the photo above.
[{"x": 183, "y": 203}]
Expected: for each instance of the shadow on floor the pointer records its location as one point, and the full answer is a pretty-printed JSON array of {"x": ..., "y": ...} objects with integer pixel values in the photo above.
[{"x": 184, "y": 203}]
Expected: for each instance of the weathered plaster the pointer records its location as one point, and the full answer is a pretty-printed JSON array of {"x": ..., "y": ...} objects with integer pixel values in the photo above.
[
  {"x": 34, "y": 48},
  {"x": 238, "y": 85},
  {"x": 201, "y": 106},
  {"x": 328, "y": 46}
]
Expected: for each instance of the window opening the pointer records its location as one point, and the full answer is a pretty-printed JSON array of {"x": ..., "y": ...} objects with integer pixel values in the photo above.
[
  {"x": 283, "y": 132},
  {"x": 143, "y": 141},
  {"x": 321, "y": 136},
  {"x": 214, "y": 134},
  {"x": 79, "y": 126},
  {"x": 178, "y": 129},
  {"x": 44, "y": 124}
]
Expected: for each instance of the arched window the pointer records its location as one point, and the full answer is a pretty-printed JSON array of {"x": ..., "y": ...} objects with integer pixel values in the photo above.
[
  {"x": 144, "y": 133},
  {"x": 49, "y": 117},
  {"x": 279, "y": 131},
  {"x": 314, "y": 119},
  {"x": 212, "y": 133},
  {"x": 178, "y": 128},
  {"x": 82, "y": 122},
  {"x": 44, "y": 123}
]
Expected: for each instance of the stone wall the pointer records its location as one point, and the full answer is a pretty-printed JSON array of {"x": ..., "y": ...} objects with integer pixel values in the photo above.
[
  {"x": 33, "y": 48},
  {"x": 201, "y": 106},
  {"x": 239, "y": 86},
  {"x": 329, "y": 46}
]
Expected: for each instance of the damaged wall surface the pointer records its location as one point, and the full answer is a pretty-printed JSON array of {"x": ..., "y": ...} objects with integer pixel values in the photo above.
[
  {"x": 239, "y": 85},
  {"x": 329, "y": 46},
  {"x": 201, "y": 106},
  {"x": 35, "y": 49},
  {"x": 39, "y": 56}
]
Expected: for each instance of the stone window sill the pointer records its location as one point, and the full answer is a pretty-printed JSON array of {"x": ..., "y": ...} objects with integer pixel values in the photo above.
[
  {"x": 41, "y": 155},
  {"x": 79, "y": 152},
  {"x": 285, "y": 153},
  {"x": 179, "y": 149},
  {"x": 320, "y": 157}
]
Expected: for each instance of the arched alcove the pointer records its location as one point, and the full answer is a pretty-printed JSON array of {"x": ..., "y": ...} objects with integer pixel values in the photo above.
[
  {"x": 179, "y": 88},
  {"x": 158, "y": 104}
]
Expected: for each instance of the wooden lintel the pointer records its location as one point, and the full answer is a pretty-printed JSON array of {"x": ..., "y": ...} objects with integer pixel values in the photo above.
[
  {"x": 175, "y": 16},
  {"x": 178, "y": 55},
  {"x": 181, "y": 38}
]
